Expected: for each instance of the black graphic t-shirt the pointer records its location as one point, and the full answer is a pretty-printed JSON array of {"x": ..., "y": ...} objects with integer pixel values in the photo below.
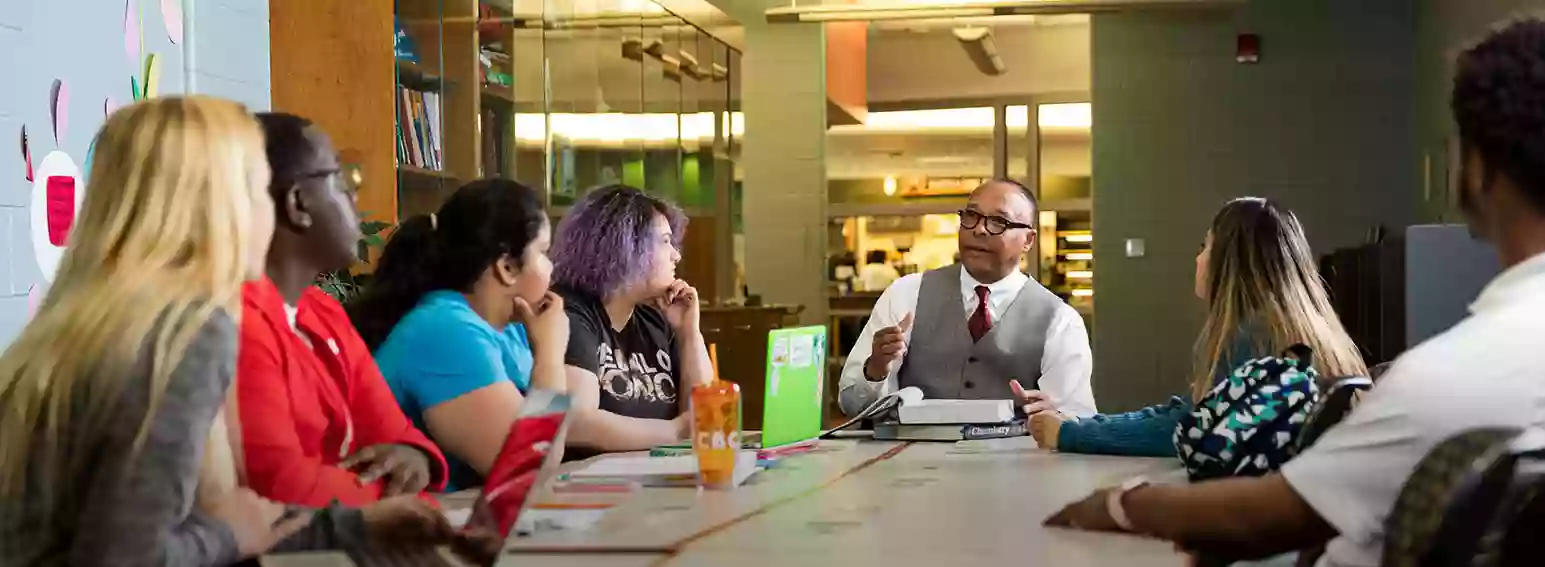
[{"x": 636, "y": 366}]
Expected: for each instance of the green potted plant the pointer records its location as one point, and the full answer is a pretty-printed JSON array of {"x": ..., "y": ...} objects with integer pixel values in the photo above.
[{"x": 344, "y": 284}]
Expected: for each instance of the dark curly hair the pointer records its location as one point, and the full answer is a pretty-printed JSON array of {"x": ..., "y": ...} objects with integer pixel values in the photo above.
[{"x": 1499, "y": 104}]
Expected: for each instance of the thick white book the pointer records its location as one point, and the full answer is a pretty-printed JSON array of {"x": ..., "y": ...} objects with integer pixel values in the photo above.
[{"x": 941, "y": 412}]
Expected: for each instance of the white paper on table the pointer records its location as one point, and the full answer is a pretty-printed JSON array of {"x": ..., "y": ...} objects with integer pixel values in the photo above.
[
  {"x": 541, "y": 520},
  {"x": 458, "y": 517},
  {"x": 1001, "y": 445},
  {"x": 624, "y": 467}
]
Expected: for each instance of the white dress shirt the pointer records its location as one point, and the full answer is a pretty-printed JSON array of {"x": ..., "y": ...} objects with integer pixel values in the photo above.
[
  {"x": 1065, "y": 360},
  {"x": 1486, "y": 371}
]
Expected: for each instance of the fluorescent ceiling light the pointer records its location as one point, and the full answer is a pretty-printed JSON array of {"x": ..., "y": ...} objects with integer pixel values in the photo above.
[
  {"x": 922, "y": 9},
  {"x": 1083, "y": 293},
  {"x": 1073, "y": 115},
  {"x": 854, "y": 13},
  {"x": 1078, "y": 255},
  {"x": 1080, "y": 275},
  {"x": 970, "y": 120},
  {"x": 616, "y": 128},
  {"x": 1078, "y": 237}
]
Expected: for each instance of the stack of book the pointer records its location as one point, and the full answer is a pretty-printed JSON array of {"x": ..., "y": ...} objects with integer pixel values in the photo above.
[
  {"x": 904, "y": 415},
  {"x": 419, "y": 141}
]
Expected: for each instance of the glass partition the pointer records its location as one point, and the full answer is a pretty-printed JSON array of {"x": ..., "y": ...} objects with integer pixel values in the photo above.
[{"x": 568, "y": 95}]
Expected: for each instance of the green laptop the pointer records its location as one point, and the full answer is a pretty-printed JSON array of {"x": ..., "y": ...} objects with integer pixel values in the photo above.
[
  {"x": 791, "y": 406},
  {"x": 796, "y": 374}
]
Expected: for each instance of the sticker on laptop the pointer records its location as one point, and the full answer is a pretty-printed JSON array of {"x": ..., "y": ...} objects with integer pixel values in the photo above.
[
  {"x": 780, "y": 351},
  {"x": 802, "y": 352}
]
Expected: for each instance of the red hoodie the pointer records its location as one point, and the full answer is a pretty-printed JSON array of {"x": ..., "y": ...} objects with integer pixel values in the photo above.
[{"x": 304, "y": 409}]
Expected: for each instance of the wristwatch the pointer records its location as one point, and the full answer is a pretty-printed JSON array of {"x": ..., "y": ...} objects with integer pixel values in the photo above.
[
  {"x": 867, "y": 377},
  {"x": 1113, "y": 506}
]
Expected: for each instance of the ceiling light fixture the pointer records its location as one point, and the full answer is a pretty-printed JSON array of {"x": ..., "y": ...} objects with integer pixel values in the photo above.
[
  {"x": 881, "y": 12},
  {"x": 980, "y": 48},
  {"x": 1065, "y": 116}
]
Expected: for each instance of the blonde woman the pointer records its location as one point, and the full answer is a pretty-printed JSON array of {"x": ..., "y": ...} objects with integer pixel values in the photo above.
[
  {"x": 1263, "y": 294},
  {"x": 113, "y": 444}
]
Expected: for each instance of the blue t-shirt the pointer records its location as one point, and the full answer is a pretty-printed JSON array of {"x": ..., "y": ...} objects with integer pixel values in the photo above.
[{"x": 443, "y": 349}]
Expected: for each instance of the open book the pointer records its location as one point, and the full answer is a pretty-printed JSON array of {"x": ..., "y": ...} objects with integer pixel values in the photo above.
[{"x": 908, "y": 407}]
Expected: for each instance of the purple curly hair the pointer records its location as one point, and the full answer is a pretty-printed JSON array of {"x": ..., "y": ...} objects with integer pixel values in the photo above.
[{"x": 605, "y": 242}]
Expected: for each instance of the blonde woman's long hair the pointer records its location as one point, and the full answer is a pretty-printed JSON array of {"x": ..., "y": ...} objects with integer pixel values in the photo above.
[
  {"x": 164, "y": 236},
  {"x": 1262, "y": 280}
]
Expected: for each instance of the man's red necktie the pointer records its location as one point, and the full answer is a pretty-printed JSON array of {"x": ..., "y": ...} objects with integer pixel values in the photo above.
[{"x": 981, "y": 320}]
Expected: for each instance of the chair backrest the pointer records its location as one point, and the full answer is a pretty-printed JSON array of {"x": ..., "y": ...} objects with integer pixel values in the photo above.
[
  {"x": 1379, "y": 369},
  {"x": 1513, "y": 537},
  {"x": 1453, "y": 498},
  {"x": 1334, "y": 406}
]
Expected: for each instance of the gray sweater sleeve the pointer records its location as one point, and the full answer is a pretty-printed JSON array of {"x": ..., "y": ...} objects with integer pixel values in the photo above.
[{"x": 138, "y": 508}]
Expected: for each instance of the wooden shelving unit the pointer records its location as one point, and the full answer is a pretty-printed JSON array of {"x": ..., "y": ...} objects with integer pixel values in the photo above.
[
  {"x": 334, "y": 62},
  {"x": 415, "y": 75}
]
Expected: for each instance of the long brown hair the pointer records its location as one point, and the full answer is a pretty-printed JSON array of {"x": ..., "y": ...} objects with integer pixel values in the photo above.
[{"x": 1261, "y": 279}]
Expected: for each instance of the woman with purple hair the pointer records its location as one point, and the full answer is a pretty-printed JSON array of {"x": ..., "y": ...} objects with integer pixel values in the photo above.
[{"x": 634, "y": 343}]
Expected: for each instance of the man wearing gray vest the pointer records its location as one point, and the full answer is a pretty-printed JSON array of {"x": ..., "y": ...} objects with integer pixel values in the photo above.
[{"x": 985, "y": 330}]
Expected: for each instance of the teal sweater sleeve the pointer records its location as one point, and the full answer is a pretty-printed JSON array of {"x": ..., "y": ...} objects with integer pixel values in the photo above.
[{"x": 1148, "y": 432}]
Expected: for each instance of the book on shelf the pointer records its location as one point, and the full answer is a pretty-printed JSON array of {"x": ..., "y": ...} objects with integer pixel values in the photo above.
[
  {"x": 403, "y": 44},
  {"x": 420, "y": 142}
]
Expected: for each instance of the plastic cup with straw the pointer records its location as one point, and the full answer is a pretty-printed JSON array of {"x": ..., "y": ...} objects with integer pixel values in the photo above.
[{"x": 716, "y": 428}]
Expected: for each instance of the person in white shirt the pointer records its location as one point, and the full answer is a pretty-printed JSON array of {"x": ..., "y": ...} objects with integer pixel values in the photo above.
[
  {"x": 1487, "y": 371},
  {"x": 985, "y": 330},
  {"x": 877, "y": 274}
]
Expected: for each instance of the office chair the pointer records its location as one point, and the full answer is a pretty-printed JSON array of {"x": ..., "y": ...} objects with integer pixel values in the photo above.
[
  {"x": 1519, "y": 543},
  {"x": 1463, "y": 496}
]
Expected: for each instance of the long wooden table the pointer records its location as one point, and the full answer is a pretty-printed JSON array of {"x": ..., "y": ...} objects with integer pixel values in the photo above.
[{"x": 857, "y": 504}]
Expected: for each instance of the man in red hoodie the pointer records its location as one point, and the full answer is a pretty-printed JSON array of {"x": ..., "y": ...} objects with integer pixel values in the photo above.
[{"x": 318, "y": 421}]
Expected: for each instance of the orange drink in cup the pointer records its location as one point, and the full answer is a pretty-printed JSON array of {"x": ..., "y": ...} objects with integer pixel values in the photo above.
[{"x": 716, "y": 432}]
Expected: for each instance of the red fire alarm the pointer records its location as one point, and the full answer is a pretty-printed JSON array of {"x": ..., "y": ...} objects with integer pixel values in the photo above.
[{"x": 1248, "y": 48}]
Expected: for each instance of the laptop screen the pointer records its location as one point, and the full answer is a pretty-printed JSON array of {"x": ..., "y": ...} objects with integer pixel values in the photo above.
[
  {"x": 796, "y": 375},
  {"x": 530, "y": 456}
]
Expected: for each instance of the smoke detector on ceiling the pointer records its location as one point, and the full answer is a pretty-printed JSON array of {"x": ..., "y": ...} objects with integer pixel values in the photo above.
[{"x": 980, "y": 47}]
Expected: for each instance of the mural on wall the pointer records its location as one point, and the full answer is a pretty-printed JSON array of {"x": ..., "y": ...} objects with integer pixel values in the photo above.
[{"x": 68, "y": 71}]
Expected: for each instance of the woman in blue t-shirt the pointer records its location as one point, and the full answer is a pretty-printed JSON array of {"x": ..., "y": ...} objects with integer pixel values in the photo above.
[
  {"x": 462, "y": 323},
  {"x": 1263, "y": 294}
]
